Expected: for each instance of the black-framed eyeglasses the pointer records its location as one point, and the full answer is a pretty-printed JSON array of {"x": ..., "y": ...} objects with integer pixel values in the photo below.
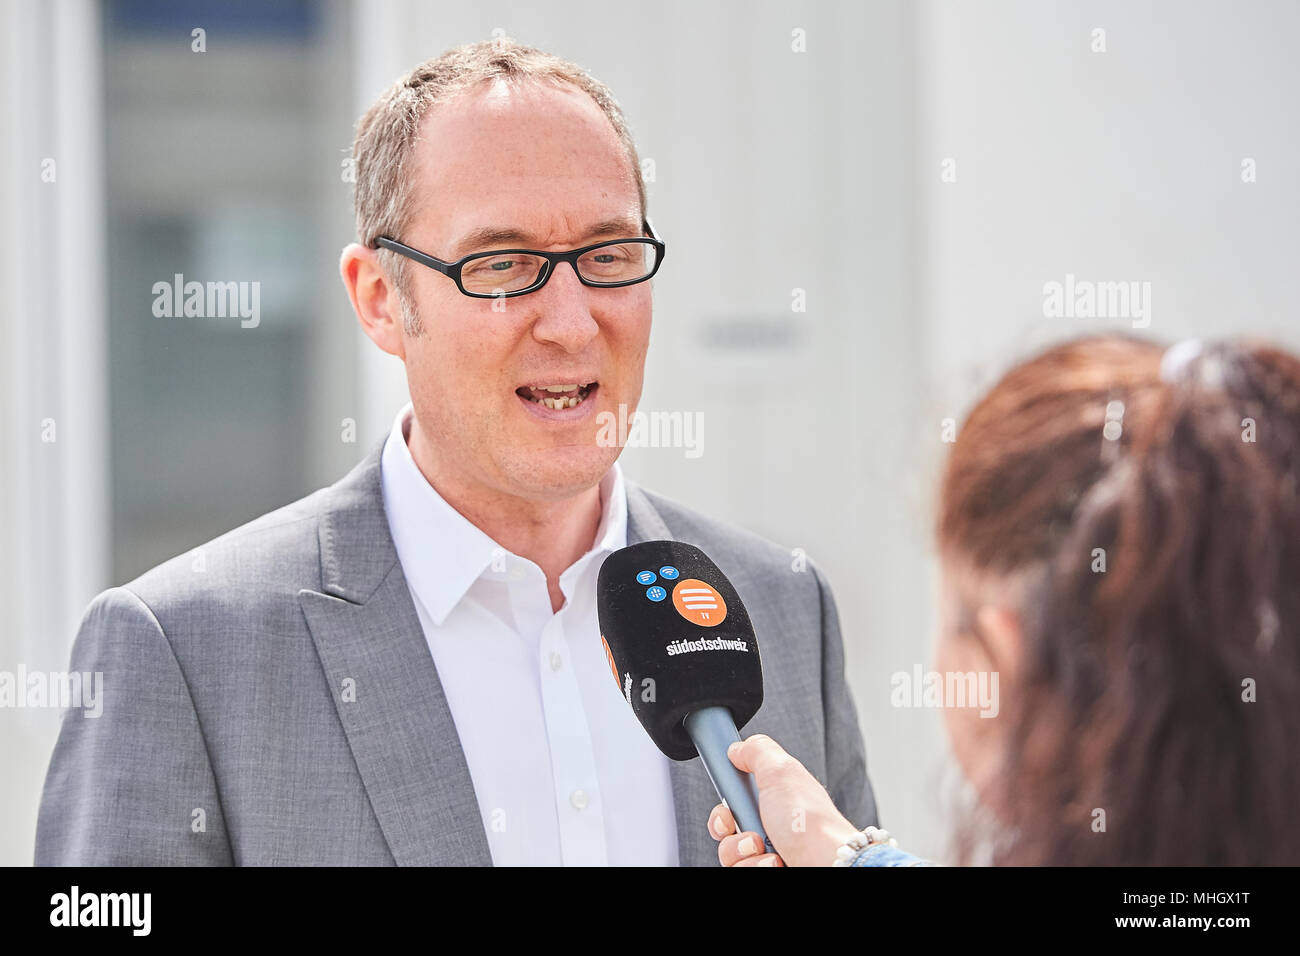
[{"x": 502, "y": 273}]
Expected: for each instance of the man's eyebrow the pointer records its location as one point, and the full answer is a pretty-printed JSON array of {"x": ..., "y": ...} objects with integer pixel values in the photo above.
[{"x": 492, "y": 237}]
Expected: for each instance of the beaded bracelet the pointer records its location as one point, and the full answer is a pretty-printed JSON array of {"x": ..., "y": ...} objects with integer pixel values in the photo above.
[{"x": 855, "y": 844}]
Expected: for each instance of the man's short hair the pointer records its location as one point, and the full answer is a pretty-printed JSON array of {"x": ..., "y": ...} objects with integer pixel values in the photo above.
[{"x": 384, "y": 197}]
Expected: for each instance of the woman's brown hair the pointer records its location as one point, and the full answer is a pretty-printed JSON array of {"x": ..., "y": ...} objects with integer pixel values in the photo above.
[{"x": 1154, "y": 518}]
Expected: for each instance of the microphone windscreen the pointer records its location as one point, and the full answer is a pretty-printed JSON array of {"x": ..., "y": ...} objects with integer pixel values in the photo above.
[{"x": 678, "y": 638}]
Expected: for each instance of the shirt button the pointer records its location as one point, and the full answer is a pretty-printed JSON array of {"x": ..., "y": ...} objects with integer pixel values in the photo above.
[
  {"x": 556, "y": 661},
  {"x": 579, "y": 799}
]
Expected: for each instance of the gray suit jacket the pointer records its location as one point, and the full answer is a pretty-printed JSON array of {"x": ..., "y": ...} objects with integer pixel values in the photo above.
[{"x": 225, "y": 737}]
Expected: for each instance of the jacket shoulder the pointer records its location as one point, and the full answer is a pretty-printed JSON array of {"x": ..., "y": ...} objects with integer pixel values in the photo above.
[
  {"x": 277, "y": 551},
  {"x": 738, "y": 551}
]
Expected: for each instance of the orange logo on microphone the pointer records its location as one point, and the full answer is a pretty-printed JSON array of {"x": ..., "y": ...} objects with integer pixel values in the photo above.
[
  {"x": 609, "y": 656},
  {"x": 699, "y": 603}
]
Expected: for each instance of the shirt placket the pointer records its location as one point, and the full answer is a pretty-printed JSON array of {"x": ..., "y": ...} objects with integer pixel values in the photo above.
[{"x": 576, "y": 787}]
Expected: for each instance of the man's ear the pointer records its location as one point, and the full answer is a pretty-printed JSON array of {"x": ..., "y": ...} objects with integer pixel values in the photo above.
[
  {"x": 1003, "y": 636},
  {"x": 374, "y": 298}
]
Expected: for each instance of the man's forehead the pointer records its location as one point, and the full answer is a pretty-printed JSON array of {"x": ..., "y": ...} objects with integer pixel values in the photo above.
[
  {"x": 523, "y": 167},
  {"x": 494, "y": 122}
]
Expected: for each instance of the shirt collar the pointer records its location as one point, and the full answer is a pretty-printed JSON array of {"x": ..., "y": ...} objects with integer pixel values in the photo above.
[{"x": 441, "y": 552}]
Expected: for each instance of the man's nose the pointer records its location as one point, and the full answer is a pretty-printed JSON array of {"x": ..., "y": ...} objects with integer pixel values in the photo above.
[{"x": 564, "y": 311}]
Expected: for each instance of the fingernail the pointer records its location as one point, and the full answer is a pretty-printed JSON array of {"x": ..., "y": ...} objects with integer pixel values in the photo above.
[
  {"x": 731, "y": 749},
  {"x": 767, "y": 861},
  {"x": 747, "y": 846},
  {"x": 719, "y": 827}
]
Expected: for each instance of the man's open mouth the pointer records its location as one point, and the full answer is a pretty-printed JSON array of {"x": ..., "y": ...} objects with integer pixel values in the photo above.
[{"x": 561, "y": 395}]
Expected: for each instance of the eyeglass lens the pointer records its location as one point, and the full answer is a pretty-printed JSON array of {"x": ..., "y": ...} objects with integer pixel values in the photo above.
[{"x": 513, "y": 271}]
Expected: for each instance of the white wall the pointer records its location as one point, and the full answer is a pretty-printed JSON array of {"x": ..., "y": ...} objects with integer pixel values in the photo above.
[{"x": 1117, "y": 165}]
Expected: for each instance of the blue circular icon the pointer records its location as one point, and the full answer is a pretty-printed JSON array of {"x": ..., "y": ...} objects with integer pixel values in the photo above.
[
  {"x": 645, "y": 577},
  {"x": 656, "y": 593},
  {"x": 668, "y": 572}
]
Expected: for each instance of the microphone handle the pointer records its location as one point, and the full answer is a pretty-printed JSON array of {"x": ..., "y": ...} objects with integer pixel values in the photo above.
[{"x": 712, "y": 730}]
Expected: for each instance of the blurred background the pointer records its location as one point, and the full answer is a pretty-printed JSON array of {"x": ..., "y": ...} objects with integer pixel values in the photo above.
[{"x": 891, "y": 185}]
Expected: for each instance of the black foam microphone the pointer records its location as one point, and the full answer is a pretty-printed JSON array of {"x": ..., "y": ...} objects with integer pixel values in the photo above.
[{"x": 683, "y": 652}]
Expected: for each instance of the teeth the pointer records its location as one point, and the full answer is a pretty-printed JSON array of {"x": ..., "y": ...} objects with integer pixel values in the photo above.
[{"x": 564, "y": 401}]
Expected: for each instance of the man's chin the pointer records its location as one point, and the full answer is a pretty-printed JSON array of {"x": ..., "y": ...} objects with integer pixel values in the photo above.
[{"x": 562, "y": 473}]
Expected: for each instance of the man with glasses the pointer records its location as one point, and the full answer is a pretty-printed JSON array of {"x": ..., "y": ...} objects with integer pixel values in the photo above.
[{"x": 406, "y": 667}]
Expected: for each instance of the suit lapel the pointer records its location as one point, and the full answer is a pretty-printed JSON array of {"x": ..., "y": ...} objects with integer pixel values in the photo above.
[
  {"x": 385, "y": 685},
  {"x": 693, "y": 793}
]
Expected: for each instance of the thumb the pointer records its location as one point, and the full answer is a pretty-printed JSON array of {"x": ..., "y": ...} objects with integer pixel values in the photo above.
[{"x": 756, "y": 753}]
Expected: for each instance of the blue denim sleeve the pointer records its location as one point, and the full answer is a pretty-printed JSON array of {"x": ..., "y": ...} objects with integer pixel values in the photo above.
[{"x": 882, "y": 854}]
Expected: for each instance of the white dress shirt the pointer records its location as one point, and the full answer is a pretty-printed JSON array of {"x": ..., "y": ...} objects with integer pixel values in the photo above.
[{"x": 563, "y": 772}]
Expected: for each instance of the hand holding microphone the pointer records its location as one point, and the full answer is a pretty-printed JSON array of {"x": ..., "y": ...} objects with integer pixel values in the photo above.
[{"x": 804, "y": 825}]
